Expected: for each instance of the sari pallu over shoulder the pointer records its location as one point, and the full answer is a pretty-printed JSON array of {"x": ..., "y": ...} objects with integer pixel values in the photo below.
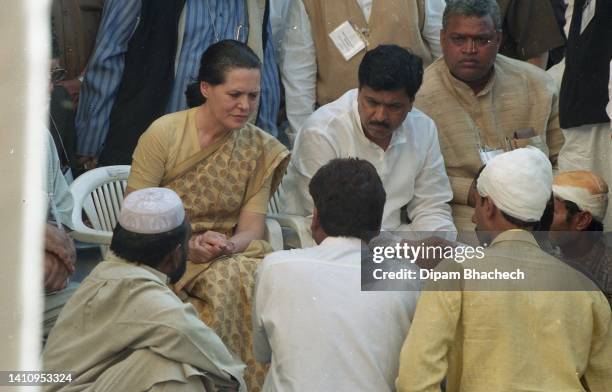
[
  {"x": 216, "y": 182},
  {"x": 214, "y": 185}
]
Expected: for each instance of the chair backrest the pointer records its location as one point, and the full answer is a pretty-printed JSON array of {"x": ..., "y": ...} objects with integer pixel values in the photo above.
[
  {"x": 99, "y": 192},
  {"x": 274, "y": 204}
]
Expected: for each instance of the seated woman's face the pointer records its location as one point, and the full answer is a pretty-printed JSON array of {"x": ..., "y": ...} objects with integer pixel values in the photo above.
[{"x": 233, "y": 101}]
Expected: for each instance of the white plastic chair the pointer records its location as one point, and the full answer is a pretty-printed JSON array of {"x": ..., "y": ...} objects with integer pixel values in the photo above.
[
  {"x": 98, "y": 192},
  {"x": 299, "y": 235}
]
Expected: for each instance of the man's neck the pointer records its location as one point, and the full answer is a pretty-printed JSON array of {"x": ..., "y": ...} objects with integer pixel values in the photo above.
[
  {"x": 384, "y": 144},
  {"x": 582, "y": 245},
  {"x": 502, "y": 227},
  {"x": 477, "y": 85}
]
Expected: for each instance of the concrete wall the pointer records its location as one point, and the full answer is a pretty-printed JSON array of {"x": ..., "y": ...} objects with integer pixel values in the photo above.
[{"x": 24, "y": 48}]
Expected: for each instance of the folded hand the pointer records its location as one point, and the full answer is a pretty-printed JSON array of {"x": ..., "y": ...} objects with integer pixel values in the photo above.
[{"x": 208, "y": 246}]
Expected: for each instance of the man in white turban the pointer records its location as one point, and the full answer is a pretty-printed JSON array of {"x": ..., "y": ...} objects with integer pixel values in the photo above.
[
  {"x": 513, "y": 190},
  {"x": 513, "y": 320},
  {"x": 581, "y": 201},
  {"x": 124, "y": 329}
]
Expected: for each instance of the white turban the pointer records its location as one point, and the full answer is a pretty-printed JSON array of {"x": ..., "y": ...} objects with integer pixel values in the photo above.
[
  {"x": 519, "y": 182},
  {"x": 151, "y": 211},
  {"x": 586, "y": 189}
]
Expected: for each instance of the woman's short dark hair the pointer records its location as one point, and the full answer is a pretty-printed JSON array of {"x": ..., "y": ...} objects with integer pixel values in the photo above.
[
  {"x": 390, "y": 68},
  {"x": 216, "y": 61},
  {"x": 149, "y": 249},
  {"x": 349, "y": 197}
]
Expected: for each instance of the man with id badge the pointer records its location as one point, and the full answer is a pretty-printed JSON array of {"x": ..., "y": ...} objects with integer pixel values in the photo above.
[
  {"x": 484, "y": 103},
  {"x": 326, "y": 41}
]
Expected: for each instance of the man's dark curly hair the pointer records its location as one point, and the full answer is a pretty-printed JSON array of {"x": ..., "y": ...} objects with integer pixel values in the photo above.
[
  {"x": 390, "y": 68},
  {"x": 349, "y": 197}
]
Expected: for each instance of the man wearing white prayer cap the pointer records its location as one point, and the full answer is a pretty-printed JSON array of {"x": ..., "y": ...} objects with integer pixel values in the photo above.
[
  {"x": 581, "y": 201},
  {"x": 124, "y": 329},
  {"x": 514, "y": 189},
  {"x": 517, "y": 319}
]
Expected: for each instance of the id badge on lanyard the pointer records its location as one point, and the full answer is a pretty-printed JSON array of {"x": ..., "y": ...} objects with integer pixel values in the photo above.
[{"x": 348, "y": 40}]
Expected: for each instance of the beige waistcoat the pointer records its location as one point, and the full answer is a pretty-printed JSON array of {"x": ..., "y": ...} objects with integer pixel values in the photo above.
[{"x": 391, "y": 22}]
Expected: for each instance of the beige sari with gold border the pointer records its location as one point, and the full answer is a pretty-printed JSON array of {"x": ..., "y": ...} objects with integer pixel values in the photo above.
[{"x": 214, "y": 184}]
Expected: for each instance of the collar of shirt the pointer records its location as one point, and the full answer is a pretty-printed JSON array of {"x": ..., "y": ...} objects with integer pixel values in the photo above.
[
  {"x": 338, "y": 251},
  {"x": 349, "y": 242},
  {"x": 515, "y": 235},
  {"x": 462, "y": 89},
  {"x": 163, "y": 278},
  {"x": 398, "y": 136}
]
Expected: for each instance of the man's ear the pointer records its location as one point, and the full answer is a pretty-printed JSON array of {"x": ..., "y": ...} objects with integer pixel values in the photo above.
[
  {"x": 168, "y": 265},
  {"x": 582, "y": 220},
  {"x": 500, "y": 37},
  {"x": 204, "y": 89},
  {"x": 315, "y": 224},
  {"x": 489, "y": 207}
]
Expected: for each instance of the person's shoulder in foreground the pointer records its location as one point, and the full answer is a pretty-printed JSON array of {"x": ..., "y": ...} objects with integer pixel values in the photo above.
[
  {"x": 481, "y": 332},
  {"x": 124, "y": 328},
  {"x": 313, "y": 295}
]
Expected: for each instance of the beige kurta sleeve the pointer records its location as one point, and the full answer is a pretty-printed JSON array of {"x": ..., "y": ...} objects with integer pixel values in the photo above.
[{"x": 461, "y": 189}]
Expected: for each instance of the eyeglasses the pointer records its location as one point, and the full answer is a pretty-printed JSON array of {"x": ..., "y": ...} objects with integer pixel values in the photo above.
[
  {"x": 58, "y": 74},
  {"x": 476, "y": 42}
]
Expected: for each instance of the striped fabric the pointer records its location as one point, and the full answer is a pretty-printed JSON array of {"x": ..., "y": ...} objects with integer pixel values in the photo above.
[{"x": 105, "y": 68}]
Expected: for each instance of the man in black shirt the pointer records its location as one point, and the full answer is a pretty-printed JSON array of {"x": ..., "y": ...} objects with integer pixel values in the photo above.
[{"x": 584, "y": 92}]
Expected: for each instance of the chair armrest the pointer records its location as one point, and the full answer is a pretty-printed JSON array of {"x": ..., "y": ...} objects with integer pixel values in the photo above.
[
  {"x": 274, "y": 234},
  {"x": 299, "y": 224},
  {"x": 87, "y": 234}
]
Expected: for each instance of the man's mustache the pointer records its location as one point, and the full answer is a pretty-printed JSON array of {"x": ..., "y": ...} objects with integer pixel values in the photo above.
[{"x": 379, "y": 124}]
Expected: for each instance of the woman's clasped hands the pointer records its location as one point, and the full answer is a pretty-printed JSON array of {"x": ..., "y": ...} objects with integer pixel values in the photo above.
[{"x": 209, "y": 245}]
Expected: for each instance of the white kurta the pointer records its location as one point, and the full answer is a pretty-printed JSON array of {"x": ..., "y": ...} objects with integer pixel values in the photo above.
[
  {"x": 124, "y": 314},
  {"x": 411, "y": 169},
  {"x": 319, "y": 330}
]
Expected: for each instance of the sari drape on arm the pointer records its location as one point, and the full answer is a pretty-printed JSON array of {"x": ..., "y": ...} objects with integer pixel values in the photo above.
[{"x": 214, "y": 185}]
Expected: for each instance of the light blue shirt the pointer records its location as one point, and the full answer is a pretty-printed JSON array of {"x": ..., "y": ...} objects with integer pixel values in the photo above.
[
  {"x": 105, "y": 67},
  {"x": 57, "y": 191}
]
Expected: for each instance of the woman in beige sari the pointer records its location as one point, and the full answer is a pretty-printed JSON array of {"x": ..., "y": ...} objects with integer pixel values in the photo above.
[{"x": 225, "y": 170}]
